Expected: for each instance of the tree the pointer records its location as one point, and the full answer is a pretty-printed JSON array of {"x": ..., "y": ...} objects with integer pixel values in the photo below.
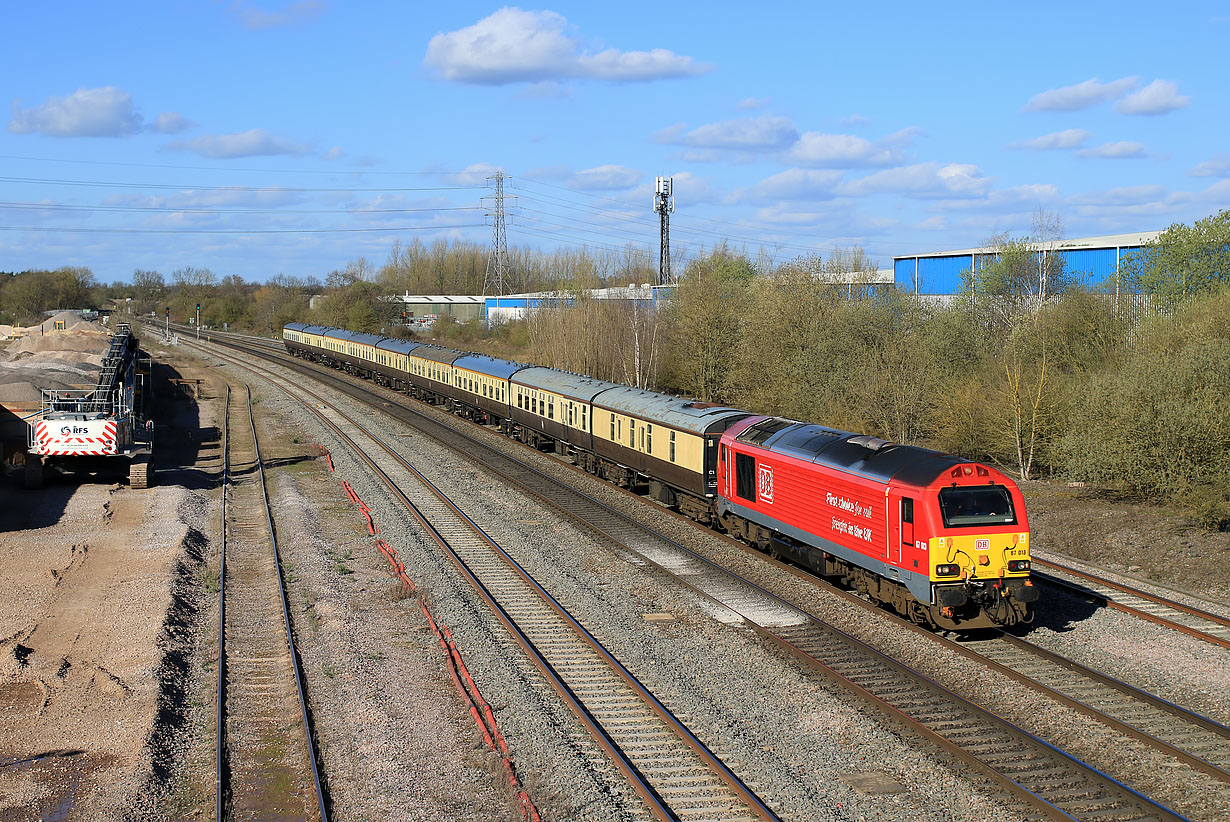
[
  {"x": 704, "y": 321},
  {"x": 1183, "y": 261},
  {"x": 1019, "y": 273},
  {"x": 148, "y": 289}
]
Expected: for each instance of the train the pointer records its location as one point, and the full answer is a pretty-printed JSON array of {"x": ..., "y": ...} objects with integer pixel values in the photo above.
[{"x": 942, "y": 540}]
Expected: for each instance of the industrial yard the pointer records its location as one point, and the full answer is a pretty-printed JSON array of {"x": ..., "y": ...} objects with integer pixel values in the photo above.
[{"x": 109, "y": 676}]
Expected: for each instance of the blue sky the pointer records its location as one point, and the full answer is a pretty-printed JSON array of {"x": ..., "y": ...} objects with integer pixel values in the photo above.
[{"x": 257, "y": 138}]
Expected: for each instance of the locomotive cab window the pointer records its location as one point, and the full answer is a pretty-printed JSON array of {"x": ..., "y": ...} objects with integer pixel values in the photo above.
[{"x": 964, "y": 506}]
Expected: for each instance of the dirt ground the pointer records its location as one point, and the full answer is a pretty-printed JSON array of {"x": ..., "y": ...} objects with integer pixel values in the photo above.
[
  {"x": 108, "y": 646},
  {"x": 95, "y": 603}
]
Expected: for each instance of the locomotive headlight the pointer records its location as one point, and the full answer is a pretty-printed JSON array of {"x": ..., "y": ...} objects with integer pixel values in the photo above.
[
  {"x": 1018, "y": 565},
  {"x": 947, "y": 570}
]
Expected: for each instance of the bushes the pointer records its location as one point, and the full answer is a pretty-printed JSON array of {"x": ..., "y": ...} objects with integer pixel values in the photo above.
[{"x": 1156, "y": 420}]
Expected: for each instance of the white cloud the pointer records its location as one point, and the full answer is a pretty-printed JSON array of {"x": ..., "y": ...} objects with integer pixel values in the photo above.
[
  {"x": 170, "y": 122},
  {"x": 1068, "y": 138},
  {"x": 1159, "y": 97},
  {"x": 334, "y": 153},
  {"x": 261, "y": 19},
  {"x": 1127, "y": 195},
  {"x": 819, "y": 150},
  {"x": 93, "y": 112},
  {"x": 515, "y": 46},
  {"x": 606, "y": 178},
  {"x": 474, "y": 174},
  {"x": 923, "y": 181},
  {"x": 765, "y": 133},
  {"x": 1122, "y": 150},
  {"x": 254, "y": 143},
  {"x": 191, "y": 198},
  {"x": 753, "y": 103},
  {"x": 1218, "y": 193},
  {"x": 1082, "y": 95},
  {"x": 855, "y": 121},
  {"x": 1216, "y": 167},
  {"x": 791, "y": 184}
]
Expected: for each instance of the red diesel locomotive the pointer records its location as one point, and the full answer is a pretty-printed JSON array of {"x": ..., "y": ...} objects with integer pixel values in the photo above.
[{"x": 941, "y": 539}]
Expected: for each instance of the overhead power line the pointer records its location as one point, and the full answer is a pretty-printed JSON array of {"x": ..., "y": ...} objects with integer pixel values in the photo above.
[
  {"x": 200, "y": 210},
  {"x": 246, "y": 189},
  {"x": 385, "y": 229},
  {"x": 243, "y": 169}
]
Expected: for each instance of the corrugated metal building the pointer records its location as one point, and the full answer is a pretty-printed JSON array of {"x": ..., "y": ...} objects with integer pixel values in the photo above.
[
  {"x": 518, "y": 306},
  {"x": 1096, "y": 259},
  {"x": 422, "y": 310}
]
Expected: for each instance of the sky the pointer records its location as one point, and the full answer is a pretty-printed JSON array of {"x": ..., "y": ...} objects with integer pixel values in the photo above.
[{"x": 266, "y": 138}]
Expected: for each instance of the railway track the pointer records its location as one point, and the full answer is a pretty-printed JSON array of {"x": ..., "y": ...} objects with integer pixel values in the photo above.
[
  {"x": 674, "y": 773},
  {"x": 1039, "y": 774},
  {"x": 1191, "y": 738},
  {"x": 1139, "y": 603},
  {"x": 266, "y": 761}
]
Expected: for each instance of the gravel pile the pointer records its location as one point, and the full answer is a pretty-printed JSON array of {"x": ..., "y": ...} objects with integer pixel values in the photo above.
[{"x": 44, "y": 357}]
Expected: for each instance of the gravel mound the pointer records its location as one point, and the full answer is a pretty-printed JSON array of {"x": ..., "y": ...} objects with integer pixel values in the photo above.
[{"x": 44, "y": 357}]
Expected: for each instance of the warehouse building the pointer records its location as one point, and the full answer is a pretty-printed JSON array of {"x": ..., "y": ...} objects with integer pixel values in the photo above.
[
  {"x": 518, "y": 306},
  {"x": 1092, "y": 259},
  {"x": 422, "y": 310}
]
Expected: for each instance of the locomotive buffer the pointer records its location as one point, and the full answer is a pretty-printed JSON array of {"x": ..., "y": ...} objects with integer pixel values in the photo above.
[{"x": 90, "y": 429}]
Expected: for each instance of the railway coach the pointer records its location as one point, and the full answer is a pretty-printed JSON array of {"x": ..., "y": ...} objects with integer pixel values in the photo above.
[{"x": 942, "y": 540}]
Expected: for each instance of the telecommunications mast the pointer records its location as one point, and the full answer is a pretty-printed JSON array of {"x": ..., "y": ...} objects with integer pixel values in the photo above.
[{"x": 664, "y": 204}]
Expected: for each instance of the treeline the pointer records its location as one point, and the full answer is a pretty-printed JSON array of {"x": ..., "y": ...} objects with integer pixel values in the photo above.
[{"x": 349, "y": 297}]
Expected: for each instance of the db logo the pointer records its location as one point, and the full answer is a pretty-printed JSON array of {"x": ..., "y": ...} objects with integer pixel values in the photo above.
[
  {"x": 764, "y": 483},
  {"x": 982, "y": 545}
]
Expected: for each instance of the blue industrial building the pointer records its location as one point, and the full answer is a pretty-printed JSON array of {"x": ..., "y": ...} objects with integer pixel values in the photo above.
[{"x": 1092, "y": 259}]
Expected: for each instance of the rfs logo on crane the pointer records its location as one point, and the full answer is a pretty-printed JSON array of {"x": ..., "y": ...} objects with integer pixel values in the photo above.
[{"x": 764, "y": 483}]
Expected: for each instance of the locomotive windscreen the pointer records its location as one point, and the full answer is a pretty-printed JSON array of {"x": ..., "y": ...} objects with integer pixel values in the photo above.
[{"x": 976, "y": 505}]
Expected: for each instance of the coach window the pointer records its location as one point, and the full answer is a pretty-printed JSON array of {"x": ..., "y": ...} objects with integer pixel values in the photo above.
[
  {"x": 672, "y": 446},
  {"x": 649, "y": 438},
  {"x": 631, "y": 433},
  {"x": 612, "y": 428},
  {"x": 745, "y": 476},
  {"x": 551, "y": 407},
  {"x": 583, "y": 428}
]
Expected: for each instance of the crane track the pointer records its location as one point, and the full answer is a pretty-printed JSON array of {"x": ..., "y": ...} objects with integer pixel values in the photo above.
[
  {"x": 265, "y": 757},
  {"x": 674, "y": 773},
  {"x": 1038, "y": 773}
]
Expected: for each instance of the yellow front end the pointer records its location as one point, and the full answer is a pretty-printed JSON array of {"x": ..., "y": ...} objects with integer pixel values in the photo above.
[{"x": 979, "y": 556}]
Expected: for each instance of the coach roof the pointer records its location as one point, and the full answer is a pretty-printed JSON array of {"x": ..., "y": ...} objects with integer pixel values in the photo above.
[
  {"x": 436, "y": 353},
  {"x": 564, "y": 383},
  {"x": 666, "y": 409},
  {"x": 398, "y": 346},
  {"x": 491, "y": 366}
]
